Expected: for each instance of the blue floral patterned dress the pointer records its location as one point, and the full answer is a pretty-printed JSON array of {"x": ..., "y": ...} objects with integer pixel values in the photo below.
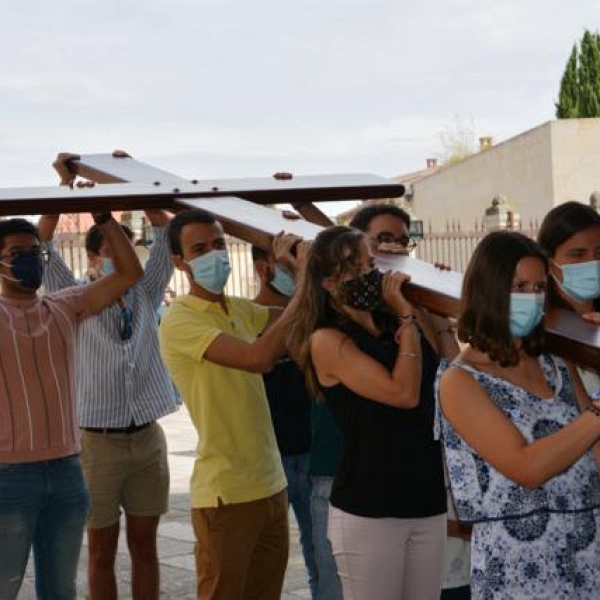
[{"x": 527, "y": 543}]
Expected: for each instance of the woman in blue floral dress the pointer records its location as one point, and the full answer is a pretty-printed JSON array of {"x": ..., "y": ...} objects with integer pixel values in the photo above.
[{"x": 519, "y": 434}]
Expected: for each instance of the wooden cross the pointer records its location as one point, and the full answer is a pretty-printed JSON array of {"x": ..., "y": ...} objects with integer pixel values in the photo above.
[{"x": 239, "y": 204}]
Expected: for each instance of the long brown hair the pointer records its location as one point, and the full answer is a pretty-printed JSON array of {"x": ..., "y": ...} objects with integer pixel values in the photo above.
[{"x": 336, "y": 250}]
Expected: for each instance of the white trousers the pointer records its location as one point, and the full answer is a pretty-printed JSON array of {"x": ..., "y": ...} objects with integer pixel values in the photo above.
[{"x": 388, "y": 559}]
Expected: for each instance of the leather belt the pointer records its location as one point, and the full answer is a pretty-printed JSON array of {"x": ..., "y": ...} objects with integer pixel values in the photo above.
[{"x": 133, "y": 428}]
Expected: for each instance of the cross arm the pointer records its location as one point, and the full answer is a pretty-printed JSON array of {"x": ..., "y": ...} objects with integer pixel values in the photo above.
[{"x": 105, "y": 168}]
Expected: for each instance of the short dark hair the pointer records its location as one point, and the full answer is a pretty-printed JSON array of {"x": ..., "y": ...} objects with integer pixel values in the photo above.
[
  {"x": 365, "y": 215},
  {"x": 483, "y": 319},
  {"x": 15, "y": 226},
  {"x": 559, "y": 224},
  {"x": 180, "y": 220},
  {"x": 259, "y": 254},
  {"x": 94, "y": 237}
]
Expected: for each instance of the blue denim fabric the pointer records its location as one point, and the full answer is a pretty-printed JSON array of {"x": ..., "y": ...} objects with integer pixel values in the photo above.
[
  {"x": 299, "y": 494},
  {"x": 42, "y": 504},
  {"x": 329, "y": 584}
]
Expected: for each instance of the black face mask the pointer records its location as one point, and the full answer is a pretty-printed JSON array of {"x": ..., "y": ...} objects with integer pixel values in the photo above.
[
  {"x": 363, "y": 292},
  {"x": 28, "y": 268}
]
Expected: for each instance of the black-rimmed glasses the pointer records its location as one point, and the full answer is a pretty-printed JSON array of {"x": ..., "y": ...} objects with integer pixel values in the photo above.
[{"x": 404, "y": 241}]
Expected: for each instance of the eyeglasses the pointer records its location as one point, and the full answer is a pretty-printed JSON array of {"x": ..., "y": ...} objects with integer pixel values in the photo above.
[
  {"x": 126, "y": 323},
  {"x": 404, "y": 241},
  {"x": 19, "y": 253}
]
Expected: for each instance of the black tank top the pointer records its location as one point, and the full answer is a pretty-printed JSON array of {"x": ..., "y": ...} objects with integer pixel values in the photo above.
[{"x": 391, "y": 465}]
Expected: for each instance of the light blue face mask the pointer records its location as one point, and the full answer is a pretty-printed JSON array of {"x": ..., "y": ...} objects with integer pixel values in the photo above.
[
  {"x": 108, "y": 266},
  {"x": 581, "y": 281},
  {"x": 526, "y": 311},
  {"x": 211, "y": 271},
  {"x": 283, "y": 281}
]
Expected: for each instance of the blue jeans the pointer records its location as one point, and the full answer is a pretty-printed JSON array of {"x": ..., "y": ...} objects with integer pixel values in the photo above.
[
  {"x": 330, "y": 586},
  {"x": 42, "y": 504},
  {"x": 299, "y": 494}
]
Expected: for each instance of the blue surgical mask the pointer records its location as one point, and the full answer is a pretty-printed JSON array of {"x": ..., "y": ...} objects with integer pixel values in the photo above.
[
  {"x": 211, "y": 271},
  {"x": 28, "y": 269},
  {"x": 108, "y": 266},
  {"x": 283, "y": 281},
  {"x": 581, "y": 281},
  {"x": 526, "y": 311}
]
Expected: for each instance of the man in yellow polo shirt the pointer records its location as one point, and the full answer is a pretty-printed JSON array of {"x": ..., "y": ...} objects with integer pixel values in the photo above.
[{"x": 210, "y": 343}]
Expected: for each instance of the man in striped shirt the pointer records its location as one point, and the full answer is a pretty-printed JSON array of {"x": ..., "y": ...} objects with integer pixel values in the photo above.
[
  {"x": 122, "y": 389},
  {"x": 43, "y": 499}
]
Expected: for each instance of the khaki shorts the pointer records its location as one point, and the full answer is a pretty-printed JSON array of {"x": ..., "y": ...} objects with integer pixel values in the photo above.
[{"x": 128, "y": 470}]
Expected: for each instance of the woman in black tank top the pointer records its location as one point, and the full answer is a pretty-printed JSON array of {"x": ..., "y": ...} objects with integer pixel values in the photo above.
[{"x": 357, "y": 339}]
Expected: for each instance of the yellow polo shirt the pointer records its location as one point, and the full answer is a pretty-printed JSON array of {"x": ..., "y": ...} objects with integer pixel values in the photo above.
[{"x": 238, "y": 460}]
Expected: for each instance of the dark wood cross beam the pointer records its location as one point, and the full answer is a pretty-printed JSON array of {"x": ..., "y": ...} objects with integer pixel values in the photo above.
[{"x": 132, "y": 185}]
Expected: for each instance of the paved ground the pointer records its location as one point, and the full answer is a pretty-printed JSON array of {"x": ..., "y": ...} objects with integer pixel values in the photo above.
[{"x": 175, "y": 541}]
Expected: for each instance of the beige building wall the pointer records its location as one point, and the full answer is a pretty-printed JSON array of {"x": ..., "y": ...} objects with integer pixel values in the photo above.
[
  {"x": 555, "y": 162},
  {"x": 576, "y": 159}
]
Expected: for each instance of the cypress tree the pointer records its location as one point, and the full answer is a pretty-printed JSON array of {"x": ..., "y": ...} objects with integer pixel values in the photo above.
[
  {"x": 567, "y": 106},
  {"x": 589, "y": 76},
  {"x": 579, "y": 93}
]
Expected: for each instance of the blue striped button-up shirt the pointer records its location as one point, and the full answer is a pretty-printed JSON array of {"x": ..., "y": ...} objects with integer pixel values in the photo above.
[{"x": 120, "y": 382}]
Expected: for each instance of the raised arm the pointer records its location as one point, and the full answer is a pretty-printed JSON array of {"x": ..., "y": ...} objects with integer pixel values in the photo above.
[
  {"x": 338, "y": 360},
  {"x": 57, "y": 274},
  {"x": 257, "y": 357},
  {"x": 110, "y": 288},
  {"x": 159, "y": 267},
  {"x": 489, "y": 432},
  {"x": 261, "y": 355},
  {"x": 157, "y": 218}
]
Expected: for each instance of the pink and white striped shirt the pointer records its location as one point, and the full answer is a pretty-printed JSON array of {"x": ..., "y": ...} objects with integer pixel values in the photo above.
[{"x": 37, "y": 375}]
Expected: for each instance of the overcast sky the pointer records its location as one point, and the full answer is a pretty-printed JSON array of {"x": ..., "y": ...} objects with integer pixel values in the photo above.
[{"x": 223, "y": 88}]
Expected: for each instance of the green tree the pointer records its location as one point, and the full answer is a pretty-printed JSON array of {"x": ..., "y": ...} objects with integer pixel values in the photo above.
[
  {"x": 589, "y": 76},
  {"x": 567, "y": 106},
  {"x": 579, "y": 94}
]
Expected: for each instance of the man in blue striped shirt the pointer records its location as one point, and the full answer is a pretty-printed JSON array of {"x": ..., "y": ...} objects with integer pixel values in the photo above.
[{"x": 122, "y": 389}]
